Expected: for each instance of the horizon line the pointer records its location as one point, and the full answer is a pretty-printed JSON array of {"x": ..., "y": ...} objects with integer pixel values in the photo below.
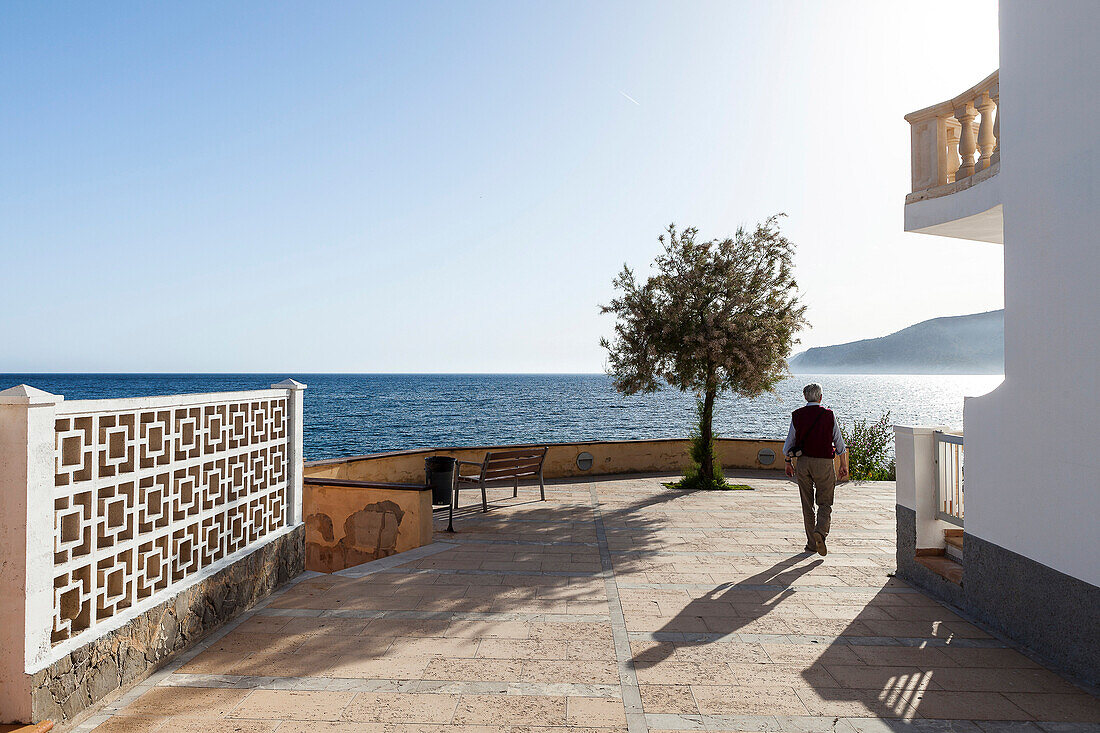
[{"x": 468, "y": 374}]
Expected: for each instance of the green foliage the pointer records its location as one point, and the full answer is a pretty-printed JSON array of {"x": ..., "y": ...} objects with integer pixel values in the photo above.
[
  {"x": 678, "y": 485},
  {"x": 717, "y": 316},
  {"x": 870, "y": 449}
]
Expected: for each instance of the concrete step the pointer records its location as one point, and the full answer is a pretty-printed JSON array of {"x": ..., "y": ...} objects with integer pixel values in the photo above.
[
  {"x": 954, "y": 544},
  {"x": 942, "y": 566}
]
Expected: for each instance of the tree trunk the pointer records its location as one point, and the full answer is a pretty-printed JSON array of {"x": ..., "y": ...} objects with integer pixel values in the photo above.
[{"x": 706, "y": 430}]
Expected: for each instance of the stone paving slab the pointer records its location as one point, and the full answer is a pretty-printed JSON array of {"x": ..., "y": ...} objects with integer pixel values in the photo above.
[{"x": 616, "y": 605}]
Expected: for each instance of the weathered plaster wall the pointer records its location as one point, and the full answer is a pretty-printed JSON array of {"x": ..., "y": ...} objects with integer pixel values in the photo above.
[
  {"x": 347, "y": 526},
  {"x": 131, "y": 652},
  {"x": 610, "y": 457}
]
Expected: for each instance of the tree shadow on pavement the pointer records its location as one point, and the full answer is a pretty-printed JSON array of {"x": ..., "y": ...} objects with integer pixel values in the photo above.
[{"x": 524, "y": 559}]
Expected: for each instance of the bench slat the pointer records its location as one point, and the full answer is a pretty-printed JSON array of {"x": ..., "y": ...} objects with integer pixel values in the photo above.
[
  {"x": 508, "y": 472},
  {"x": 520, "y": 453},
  {"x": 501, "y": 475},
  {"x": 511, "y": 463},
  {"x": 509, "y": 477}
]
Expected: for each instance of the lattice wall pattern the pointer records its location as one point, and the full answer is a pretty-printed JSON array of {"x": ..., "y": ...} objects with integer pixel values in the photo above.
[{"x": 148, "y": 498}]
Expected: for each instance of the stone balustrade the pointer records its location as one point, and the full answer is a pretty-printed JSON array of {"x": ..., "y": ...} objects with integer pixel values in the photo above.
[{"x": 955, "y": 143}]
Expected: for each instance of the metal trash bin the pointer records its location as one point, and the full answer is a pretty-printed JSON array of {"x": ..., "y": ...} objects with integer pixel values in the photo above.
[{"x": 439, "y": 474}]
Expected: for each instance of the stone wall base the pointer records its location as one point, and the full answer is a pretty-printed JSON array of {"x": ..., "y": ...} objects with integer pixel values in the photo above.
[
  {"x": 135, "y": 650},
  {"x": 1049, "y": 613},
  {"x": 913, "y": 572}
]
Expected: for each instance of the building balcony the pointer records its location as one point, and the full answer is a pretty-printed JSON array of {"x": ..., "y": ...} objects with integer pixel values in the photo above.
[{"x": 955, "y": 162}]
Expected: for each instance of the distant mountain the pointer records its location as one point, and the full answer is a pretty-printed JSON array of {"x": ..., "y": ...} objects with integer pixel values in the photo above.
[{"x": 971, "y": 344}]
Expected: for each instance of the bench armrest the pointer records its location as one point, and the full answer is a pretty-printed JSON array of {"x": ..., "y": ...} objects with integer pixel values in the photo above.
[{"x": 458, "y": 471}]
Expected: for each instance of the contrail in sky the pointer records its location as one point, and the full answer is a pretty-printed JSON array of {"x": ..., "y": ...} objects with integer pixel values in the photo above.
[{"x": 632, "y": 99}]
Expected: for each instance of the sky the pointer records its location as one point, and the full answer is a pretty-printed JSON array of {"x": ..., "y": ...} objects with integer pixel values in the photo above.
[{"x": 452, "y": 186}]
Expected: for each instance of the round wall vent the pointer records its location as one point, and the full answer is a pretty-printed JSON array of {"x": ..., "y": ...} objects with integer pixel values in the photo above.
[
  {"x": 584, "y": 461},
  {"x": 766, "y": 456}
]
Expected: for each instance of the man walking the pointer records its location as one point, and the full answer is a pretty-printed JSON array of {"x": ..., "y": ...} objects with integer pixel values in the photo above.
[{"x": 814, "y": 438}]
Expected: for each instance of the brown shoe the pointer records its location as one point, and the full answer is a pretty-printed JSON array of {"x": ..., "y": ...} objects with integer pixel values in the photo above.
[{"x": 819, "y": 540}]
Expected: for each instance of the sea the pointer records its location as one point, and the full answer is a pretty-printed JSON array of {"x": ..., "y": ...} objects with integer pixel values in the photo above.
[{"x": 354, "y": 414}]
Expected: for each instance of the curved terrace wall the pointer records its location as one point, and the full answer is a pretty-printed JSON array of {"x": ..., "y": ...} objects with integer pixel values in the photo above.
[
  {"x": 609, "y": 457},
  {"x": 361, "y": 508}
]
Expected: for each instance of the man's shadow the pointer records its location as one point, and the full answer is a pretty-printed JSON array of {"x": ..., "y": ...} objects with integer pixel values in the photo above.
[{"x": 709, "y": 610}]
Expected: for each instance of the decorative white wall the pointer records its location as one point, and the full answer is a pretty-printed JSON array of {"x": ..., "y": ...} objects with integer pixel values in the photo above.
[
  {"x": 1033, "y": 445},
  {"x": 110, "y": 507}
]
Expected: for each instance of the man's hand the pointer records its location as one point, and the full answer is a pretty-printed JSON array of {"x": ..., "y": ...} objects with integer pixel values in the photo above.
[
  {"x": 789, "y": 470},
  {"x": 843, "y": 472}
]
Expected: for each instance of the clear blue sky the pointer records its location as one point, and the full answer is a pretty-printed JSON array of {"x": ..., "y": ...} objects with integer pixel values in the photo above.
[{"x": 451, "y": 186}]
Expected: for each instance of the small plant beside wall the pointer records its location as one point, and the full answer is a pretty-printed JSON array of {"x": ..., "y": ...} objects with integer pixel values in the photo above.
[
  {"x": 870, "y": 449},
  {"x": 699, "y": 454}
]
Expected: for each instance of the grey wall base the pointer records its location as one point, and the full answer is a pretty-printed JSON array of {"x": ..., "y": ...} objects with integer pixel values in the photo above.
[
  {"x": 1050, "y": 614},
  {"x": 915, "y": 573},
  {"x": 126, "y": 655}
]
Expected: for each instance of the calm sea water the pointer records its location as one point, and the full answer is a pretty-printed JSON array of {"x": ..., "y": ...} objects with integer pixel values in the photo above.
[{"x": 349, "y": 414}]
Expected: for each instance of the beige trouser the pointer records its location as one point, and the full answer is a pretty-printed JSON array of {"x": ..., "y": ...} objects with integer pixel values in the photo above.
[{"x": 816, "y": 473}]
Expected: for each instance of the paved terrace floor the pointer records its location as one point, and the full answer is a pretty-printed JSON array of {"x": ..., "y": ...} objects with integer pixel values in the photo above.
[{"x": 616, "y": 605}]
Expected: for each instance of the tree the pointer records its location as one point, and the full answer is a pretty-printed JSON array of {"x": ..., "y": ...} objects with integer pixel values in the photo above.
[{"x": 718, "y": 316}]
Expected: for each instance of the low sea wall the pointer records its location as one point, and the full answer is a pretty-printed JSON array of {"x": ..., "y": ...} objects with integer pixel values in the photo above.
[
  {"x": 564, "y": 460},
  {"x": 362, "y": 508}
]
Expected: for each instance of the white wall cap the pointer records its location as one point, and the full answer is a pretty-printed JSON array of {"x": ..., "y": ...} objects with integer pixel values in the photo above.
[
  {"x": 912, "y": 430},
  {"x": 24, "y": 394},
  {"x": 288, "y": 384},
  {"x": 925, "y": 429}
]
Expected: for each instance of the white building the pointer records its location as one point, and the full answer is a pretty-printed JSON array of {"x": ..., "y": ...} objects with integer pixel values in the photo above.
[{"x": 1031, "y": 559}]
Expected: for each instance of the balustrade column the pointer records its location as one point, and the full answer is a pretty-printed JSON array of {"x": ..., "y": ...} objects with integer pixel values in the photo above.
[
  {"x": 995, "y": 95},
  {"x": 986, "y": 139},
  {"x": 965, "y": 114},
  {"x": 952, "y": 154}
]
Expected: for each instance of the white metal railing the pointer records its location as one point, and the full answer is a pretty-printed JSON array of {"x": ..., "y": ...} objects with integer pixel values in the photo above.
[
  {"x": 955, "y": 141},
  {"x": 949, "y": 477},
  {"x": 136, "y": 499}
]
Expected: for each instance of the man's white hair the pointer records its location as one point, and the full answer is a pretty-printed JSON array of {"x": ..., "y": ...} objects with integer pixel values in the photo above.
[{"x": 812, "y": 392}]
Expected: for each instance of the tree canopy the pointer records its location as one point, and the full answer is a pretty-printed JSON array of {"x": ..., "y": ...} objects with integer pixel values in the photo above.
[{"x": 717, "y": 316}]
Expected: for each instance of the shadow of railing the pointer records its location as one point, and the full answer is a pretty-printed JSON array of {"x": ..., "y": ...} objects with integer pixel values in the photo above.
[{"x": 924, "y": 661}]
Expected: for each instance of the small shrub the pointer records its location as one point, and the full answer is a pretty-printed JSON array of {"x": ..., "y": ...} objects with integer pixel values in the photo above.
[
  {"x": 702, "y": 453},
  {"x": 871, "y": 449}
]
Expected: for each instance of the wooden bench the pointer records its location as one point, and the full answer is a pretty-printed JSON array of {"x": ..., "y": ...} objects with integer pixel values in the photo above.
[{"x": 498, "y": 466}]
